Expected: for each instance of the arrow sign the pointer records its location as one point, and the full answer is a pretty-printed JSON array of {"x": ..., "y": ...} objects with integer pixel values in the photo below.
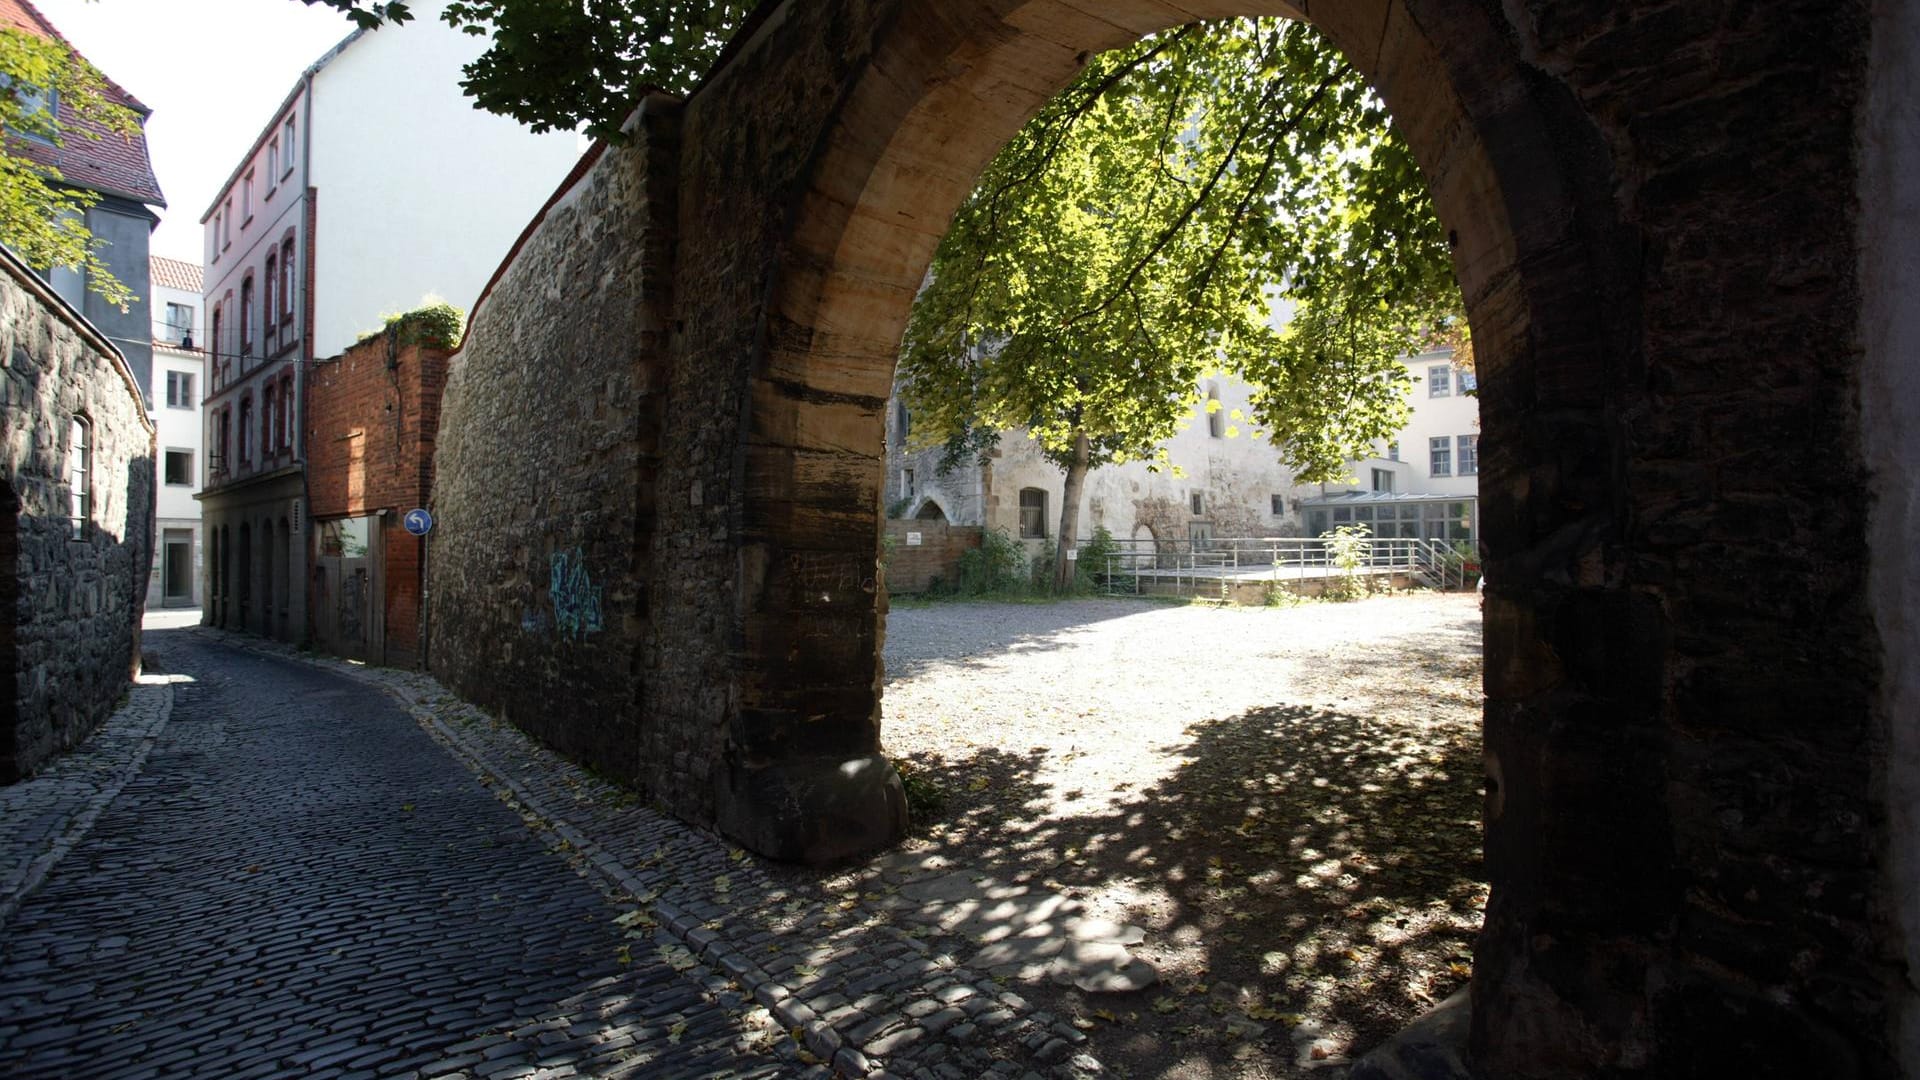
[{"x": 418, "y": 522}]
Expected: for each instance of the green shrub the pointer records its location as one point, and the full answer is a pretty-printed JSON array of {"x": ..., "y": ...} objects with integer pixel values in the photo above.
[
  {"x": 999, "y": 564},
  {"x": 1347, "y": 551},
  {"x": 926, "y": 798},
  {"x": 1092, "y": 571}
]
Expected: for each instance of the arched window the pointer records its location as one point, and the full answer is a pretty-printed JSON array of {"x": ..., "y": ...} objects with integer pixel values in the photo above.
[
  {"x": 286, "y": 280},
  {"x": 286, "y": 408},
  {"x": 269, "y": 421},
  {"x": 246, "y": 315},
  {"x": 266, "y": 300},
  {"x": 216, "y": 347},
  {"x": 246, "y": 430},
  {"x": 1033, "y": 513},
  {"x": 80, "y": 472}
]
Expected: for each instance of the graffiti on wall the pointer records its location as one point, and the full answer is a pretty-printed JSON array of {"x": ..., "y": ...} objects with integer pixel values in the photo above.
[{"x": 576, "y": 599}]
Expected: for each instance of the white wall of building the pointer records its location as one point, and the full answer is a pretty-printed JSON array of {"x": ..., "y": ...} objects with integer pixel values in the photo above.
[
  {"x": 1242, "y": 486},
  {"x": 418, "y": 192},
  {"x": 179, "y": 386},
  {"x": 1244, "y": 489},
  {"x": 1452, "y": 416}
]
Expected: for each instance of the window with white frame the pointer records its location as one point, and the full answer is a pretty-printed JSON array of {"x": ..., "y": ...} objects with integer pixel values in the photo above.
[
  {"x": 219, "y": 226},
  {"x": 180, "y": 390},
  {"x": 1383, "y": 479},
  {"x": 1466, "y": 379},
  {"x": 286, "y": 282},
  {"x": 1197, "y": 502},
  {"x": 80, "y": 473},
  {"x": 246, "y": 315},
  {"x": 1440, "y": 381},
  {"x": 1033, "y": 513},
  {"x": 246, "y": 199},
  {"x": 273, "y": 163},
  {"x": 1440, "y": 456},
  {"x": 226, "y": 224},
  {"x": 179, "y": 324},
  {"x": 288, "y": 143},
  {"x": 1393, "y": 451},
  {"x": 1469, "y": 451}
]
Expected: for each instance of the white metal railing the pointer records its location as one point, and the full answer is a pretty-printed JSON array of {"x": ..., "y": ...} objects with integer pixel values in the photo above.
[{"x": 1192, "y": 566}]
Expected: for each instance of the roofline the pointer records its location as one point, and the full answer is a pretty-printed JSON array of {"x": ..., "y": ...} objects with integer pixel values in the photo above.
[
  {"x": 304, "y": 80},
  {"x": 573, "y": 178},
  {"x": 127, "y": 197},
  {"x": 53, "y": 32},
  {"x": 18, "y": 268}
]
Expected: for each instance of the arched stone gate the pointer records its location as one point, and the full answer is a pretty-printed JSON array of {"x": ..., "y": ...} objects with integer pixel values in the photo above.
[{"x": 660, "y": 469}]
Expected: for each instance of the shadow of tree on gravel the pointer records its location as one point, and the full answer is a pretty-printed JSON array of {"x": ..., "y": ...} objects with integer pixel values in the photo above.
[
  {"x": 1307, "y": 879},
  {"x": 1046, "y": 627}
]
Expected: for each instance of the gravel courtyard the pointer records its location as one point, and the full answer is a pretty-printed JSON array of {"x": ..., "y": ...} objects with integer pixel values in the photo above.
[{"x": 1286, "y": 800}]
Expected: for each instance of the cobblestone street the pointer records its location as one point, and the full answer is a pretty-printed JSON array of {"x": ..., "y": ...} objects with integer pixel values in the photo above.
[
  {"x": 301, "y": 882},
  {"x": 270, "y": 864}
]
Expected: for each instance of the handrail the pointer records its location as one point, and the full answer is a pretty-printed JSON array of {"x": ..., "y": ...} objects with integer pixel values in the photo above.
[{"x": 1183, "y": 565}]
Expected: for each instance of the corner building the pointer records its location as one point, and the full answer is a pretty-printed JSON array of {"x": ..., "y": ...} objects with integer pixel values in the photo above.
[{"x": 373, "y": 184}]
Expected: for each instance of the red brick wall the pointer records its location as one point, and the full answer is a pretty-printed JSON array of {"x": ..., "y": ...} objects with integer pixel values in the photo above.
[
  {"x": 372, "y": 415},
  {"x": 912, "y": 569}
]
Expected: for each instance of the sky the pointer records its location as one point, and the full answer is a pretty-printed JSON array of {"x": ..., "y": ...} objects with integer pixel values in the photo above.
[{"x": 212, "y": 71}]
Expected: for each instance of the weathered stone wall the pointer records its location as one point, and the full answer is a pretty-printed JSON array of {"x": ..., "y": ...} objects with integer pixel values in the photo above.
[
  {"x": 542, "y": 575},
  {"x": 1658, "y": 231},
  {"x": 1890, "y": 339},
  {"x": 69, "y": 639}
]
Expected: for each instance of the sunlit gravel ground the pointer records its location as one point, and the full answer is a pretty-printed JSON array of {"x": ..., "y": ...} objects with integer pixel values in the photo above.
[{"x": 1286, "y": 799}]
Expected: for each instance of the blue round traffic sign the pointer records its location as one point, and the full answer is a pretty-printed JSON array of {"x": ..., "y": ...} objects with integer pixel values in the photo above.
[{"x": 418, "y": 522}]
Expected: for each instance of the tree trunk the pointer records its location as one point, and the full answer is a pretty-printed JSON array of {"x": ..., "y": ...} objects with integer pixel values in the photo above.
[{"x": 1070, "y": 515}]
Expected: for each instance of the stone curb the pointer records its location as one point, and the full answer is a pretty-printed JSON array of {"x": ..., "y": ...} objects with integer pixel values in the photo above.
[
  {"x": 686, "y": 930},
  {"x": 22, "y": 883},
  {"x": 841, "y": 1044}
]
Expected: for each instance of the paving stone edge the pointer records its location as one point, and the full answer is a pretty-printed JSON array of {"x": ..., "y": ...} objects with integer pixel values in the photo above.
[
  {"x": 843, "y": 1055},
  {"x": 682, "y": 927},
  {"x": 20, "y": 884}
]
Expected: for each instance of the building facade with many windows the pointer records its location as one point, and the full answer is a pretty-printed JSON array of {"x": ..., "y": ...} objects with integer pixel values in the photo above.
[
  {"x": 1229, "y": 483},
  {"x": 1425, "y": 484},
  {"x": 372, "y": 185},
  {"x": 180, "y": 460}
]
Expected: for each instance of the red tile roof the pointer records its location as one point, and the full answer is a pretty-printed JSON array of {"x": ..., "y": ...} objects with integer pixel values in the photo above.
[
  {"x": 88, "y": 156},
  {"x": 174, "y": 274}
]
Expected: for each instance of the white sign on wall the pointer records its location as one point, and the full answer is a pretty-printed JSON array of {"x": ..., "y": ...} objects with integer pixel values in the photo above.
[{"x": 913, "y": 539}]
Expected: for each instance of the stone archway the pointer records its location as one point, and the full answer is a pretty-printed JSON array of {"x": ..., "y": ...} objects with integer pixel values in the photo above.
[{"x": 1658, "y": 238}]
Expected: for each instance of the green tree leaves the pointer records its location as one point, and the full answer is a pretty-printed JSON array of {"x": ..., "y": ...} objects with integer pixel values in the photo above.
[
  {"x": 41, "y": 217},
  {"x": 555, "y": 64},
  {"x": 1136, "y": 234}
]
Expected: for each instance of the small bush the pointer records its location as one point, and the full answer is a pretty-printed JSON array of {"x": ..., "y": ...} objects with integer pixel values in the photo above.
[
  {"x": 1348, "y": 549},
  {"x": 1092, "y": 571},
  {"x": 926, "y": 799},
  {"x": 999, "y": 564}
]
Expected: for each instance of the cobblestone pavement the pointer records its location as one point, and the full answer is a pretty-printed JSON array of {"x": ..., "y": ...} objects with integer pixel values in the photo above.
[{"x": 297, "y": 881}]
